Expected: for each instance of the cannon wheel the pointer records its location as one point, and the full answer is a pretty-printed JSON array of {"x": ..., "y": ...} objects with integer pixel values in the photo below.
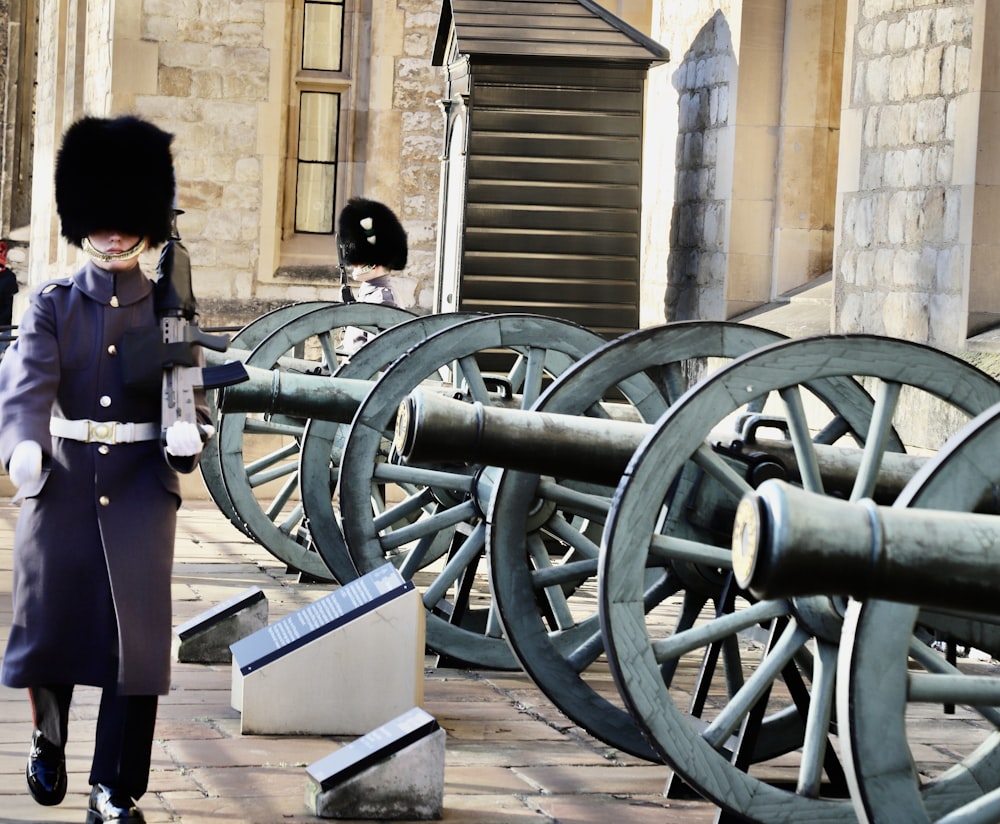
[
  {"x": 270, "y": 516},
  {"x": 711, "y": 749},
  {"x": 446, "y": 505},
  {"x": 543, "y": 545},
  {"x": 323, "y": 441},
  {"x": 242, "y": 342},
  {"x": 880, "y": 658}
]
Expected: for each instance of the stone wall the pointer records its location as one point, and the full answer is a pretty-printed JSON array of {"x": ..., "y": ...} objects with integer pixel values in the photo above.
[{"x": 906, "y": 199}]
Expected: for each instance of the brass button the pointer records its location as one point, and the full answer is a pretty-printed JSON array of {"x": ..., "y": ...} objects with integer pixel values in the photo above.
[
  {"x": 103, "y": 449},
  {"x": 112, "y": 350},
  {"x": 104, "y": 500},
  {"x": 105, "y": 401}
]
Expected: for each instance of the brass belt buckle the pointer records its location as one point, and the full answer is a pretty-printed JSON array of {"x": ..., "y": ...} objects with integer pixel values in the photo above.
[{"x": 102, "y": 432}]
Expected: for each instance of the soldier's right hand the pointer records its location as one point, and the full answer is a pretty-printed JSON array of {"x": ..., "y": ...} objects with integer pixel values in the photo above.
[{"x": 25, "y": 463}]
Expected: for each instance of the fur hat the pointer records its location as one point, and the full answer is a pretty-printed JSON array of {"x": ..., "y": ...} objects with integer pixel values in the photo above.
[
  {"x": 371, "y": 235},
  {"x": 117, "y": 174}
]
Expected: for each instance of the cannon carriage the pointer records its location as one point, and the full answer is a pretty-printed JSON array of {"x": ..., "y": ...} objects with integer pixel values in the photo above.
[{"x": 589, "y": 576}]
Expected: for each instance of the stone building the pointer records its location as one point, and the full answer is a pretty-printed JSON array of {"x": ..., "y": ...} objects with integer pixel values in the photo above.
[
  {"x": 847, "y": 143},
  {"x": 853, "y": 138},
  {"x": 281, "y": 110}
]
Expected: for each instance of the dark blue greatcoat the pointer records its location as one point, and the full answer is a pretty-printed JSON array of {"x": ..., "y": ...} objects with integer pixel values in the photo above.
[{"x": 94, "y": 543}]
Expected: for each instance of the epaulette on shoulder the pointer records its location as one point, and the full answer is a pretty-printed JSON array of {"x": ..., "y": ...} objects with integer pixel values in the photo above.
[{"x": 45, "y": 288}]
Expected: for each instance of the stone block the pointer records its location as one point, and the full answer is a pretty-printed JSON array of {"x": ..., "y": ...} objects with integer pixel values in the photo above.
[
  {"x": 395, "y": 772},
  {"x": 206, "y": 638}
]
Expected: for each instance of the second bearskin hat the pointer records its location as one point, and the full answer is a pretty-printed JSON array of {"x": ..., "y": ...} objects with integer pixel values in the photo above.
[
  {"x": 115, "y": 174},
  {"x": 370, "y": 234}
]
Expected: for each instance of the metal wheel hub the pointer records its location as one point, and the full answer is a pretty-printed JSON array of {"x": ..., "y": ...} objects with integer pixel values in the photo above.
[
  {"x": 821, "y": 616},
  {"x": 484, "y": 480}
]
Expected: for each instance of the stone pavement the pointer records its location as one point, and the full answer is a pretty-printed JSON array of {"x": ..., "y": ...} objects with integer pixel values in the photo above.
[{"x": 511, "y": 756}]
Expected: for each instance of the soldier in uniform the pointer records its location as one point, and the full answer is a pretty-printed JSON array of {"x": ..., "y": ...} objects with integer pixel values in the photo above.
[
  {"x": 372, "y": 244},
  {"x": 98, "y": 486}
]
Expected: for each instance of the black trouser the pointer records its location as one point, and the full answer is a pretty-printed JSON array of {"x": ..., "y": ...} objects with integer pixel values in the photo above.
[{"x": 123, "y": 744}]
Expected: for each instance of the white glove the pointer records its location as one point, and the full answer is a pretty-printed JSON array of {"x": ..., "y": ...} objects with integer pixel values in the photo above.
[
  {"x": 25, "y": 463},
  {"x": 184, "y": 438}
]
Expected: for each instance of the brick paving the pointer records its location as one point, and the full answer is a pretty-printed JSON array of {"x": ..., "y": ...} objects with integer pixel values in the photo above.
[{"x": 511, "y": 756}]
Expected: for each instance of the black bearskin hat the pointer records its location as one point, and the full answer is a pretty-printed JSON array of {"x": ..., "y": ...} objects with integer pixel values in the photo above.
[
  {"x": 115, "y": 174},
  {"x": 371, "y": 235}
]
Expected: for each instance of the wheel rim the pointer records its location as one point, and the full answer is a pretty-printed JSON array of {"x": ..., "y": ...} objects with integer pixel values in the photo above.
[{"x": 698, "y": 751}]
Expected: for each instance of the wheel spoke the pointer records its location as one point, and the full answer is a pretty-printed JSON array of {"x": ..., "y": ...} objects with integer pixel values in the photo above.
[
  {"x": 262, "y": 426},
  {"x": 553, "y": 593},
  {"x": 470, "y": 548},
  {"x": 664, "y": 548},
  {"x": 573, "y": 501},
  {"x": 716, "y": 468},
  {"x": 534, "y": 374},
  {"x": 875, "y": 441},
  {"x": 402, "y": 474},
  {"x": 427, "y": 526},
  {"x": 588, "y": 648},
  {"x": 415, "y": 557},
  {"x": 575, "y": 538},
  {"x": 683, "y": 642},
  {"x": 278, "y": 504},
  {"x": 935, "y": 664},
  {"x": 472, "y": 377},
  {"x": 821, "y": 698},
  {"x": 327, "y": 347},
  {"x": 798, "y": 430},
  {"x": 270, "y": 467},
  {"x": 718, "y": 732},
  {"x": 401, "y": 511}
]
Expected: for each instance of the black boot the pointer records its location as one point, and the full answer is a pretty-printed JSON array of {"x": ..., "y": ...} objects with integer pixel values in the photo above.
[
  {"x": 46, "y": 771},
  {"x": 107, "y": 804}
]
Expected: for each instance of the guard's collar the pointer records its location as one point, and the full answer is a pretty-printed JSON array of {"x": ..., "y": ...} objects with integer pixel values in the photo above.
[{"x": 127, "y": 287}]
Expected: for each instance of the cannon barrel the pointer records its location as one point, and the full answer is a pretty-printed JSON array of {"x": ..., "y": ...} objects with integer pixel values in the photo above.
[
  {"x": 298, "y": 393},
  {"x": 434, "y": 429},
  {"x": 283, "y": 392},
  {"x": 788, "y": 542},
  {"x": 584, "y": 448}
]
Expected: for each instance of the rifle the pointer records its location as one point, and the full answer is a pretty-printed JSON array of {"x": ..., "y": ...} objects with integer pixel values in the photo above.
[
  {"x": 176, "y": 309},
  {"x": 346, "y": 295}
]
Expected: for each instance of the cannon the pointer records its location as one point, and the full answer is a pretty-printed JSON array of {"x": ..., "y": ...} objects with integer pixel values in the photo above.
[
  {"x": 803, "y": 637},
  {"x": 727, "y": 688},
  {"x": 934, "y": 550}
]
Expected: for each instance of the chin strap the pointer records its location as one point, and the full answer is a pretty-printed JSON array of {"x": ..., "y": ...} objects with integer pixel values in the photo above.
[{"x": 104, "y": 257}]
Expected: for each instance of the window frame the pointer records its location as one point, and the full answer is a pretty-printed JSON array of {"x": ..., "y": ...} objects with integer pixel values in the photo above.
[{"x": 300, "y": 81}]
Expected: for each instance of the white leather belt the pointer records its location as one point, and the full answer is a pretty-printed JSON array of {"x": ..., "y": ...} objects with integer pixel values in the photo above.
[{"x": 110, "y": 432}]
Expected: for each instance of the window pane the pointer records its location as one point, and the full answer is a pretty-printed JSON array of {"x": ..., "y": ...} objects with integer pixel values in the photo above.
[
  {"x": 323, "y": 25},
  {"x": 314, "y": 197},
  {"x": 319, "y": 116}
]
